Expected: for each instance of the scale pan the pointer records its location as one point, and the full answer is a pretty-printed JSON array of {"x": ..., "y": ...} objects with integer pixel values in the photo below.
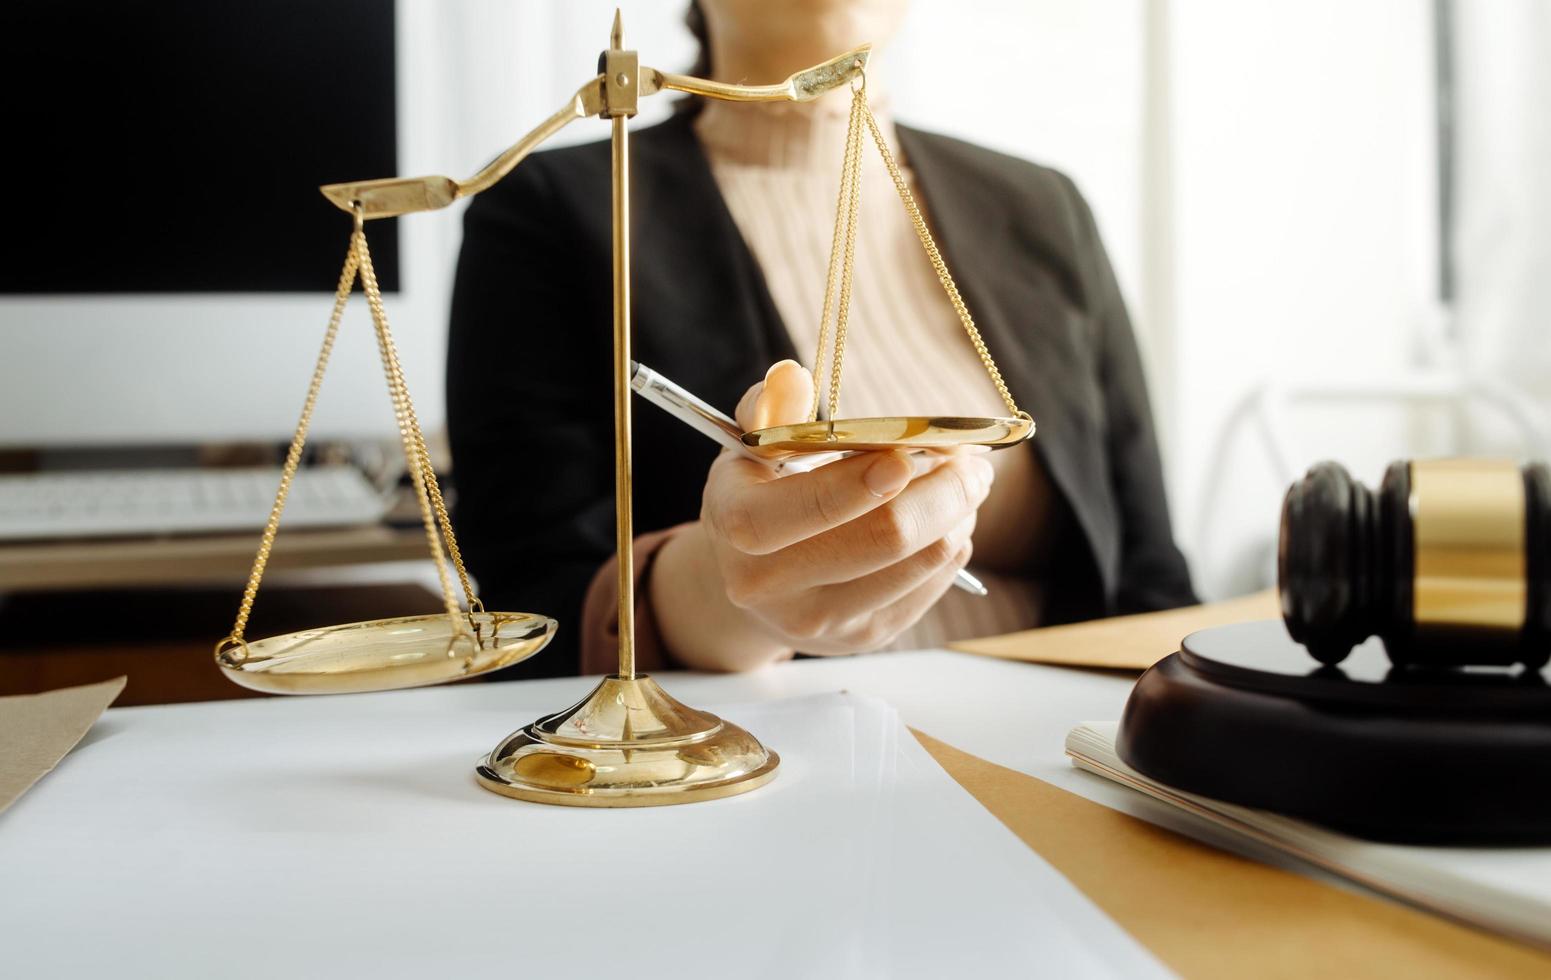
[
  {"x": 897, "y": 432},
  {"x": 383, "y": 654}
]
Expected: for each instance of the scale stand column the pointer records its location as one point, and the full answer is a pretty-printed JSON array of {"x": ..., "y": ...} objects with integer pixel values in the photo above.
[
  {"x": 628, "y": 743},
  {"x": 621, "y": 83}
]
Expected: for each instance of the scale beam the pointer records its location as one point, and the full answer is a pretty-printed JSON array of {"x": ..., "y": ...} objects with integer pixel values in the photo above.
[
  {"x": 390, "y": 197},
  {"x": 802, "y": 86}
]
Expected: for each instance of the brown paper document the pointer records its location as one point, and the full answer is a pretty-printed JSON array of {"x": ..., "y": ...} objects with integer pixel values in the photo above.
[
  {"x": 1208, "y": 913},
  {"x": 37, "y": 730},
  {"x": 1122, "y": 642}
]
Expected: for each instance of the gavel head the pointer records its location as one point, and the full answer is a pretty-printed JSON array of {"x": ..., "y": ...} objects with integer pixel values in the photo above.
[{"x": 1449, "y": 561}]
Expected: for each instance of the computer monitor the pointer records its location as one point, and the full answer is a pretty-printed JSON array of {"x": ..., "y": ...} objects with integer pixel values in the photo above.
[
  {"x": 169, "y": 263},
  {"x": 370, "y": 88}
]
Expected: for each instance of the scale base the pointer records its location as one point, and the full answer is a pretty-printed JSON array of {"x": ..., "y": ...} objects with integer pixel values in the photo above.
[{"x": 628, "y": 743}]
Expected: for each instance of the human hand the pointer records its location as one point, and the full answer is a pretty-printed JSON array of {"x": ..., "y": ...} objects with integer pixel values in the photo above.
[{"x": 844, "y": 558}]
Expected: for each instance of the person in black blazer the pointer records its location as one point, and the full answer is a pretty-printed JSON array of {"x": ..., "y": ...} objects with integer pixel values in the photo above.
[{"x": 529, "y": 360}]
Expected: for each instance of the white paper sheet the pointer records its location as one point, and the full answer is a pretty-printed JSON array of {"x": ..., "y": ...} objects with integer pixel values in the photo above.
[{"x": 346, "y": 836}]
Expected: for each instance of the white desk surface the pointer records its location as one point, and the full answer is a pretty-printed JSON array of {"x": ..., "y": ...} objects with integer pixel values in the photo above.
[{"x": 1014, "y": 714}]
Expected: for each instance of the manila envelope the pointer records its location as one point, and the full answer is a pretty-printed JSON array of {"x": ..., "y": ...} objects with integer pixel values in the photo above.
[
  {"x": 1122, "y": 642},
  {"x": 1207, "y": 913}
]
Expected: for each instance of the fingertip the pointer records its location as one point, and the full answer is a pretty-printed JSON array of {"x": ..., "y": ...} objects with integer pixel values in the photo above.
[
  {"x": 786, "y": 397},
  {"x": 889, "y": 473},
  {"x": 784, "y": 366},
  {"x": 929, "y": 461},
  {"x": 747, "y": 412}
]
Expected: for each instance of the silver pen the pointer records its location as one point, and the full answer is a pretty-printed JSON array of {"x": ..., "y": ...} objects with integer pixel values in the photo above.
[{"x": 705, "y": 419}]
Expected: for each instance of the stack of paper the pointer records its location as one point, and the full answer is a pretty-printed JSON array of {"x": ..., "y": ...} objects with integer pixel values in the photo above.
[
  {"x": 346, "y": 836},
  {"x": 1507, "y": 890}
]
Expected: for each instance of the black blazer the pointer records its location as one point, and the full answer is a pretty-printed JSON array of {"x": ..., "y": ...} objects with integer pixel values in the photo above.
[{"x": 529, "y": 365}]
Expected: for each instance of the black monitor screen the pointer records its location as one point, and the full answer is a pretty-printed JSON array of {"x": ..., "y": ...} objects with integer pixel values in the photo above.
[{"x": 177, "y": 145}]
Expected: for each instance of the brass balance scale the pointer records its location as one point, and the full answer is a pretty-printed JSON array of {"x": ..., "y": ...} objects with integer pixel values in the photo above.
[{"x": 628, "y": 743}]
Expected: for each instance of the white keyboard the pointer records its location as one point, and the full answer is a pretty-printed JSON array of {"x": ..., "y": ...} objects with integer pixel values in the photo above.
[{"x": 138, "y": 503}]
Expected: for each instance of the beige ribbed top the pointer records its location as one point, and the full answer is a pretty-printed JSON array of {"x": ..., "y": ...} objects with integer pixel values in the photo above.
[{"x": 778, "y": 167}]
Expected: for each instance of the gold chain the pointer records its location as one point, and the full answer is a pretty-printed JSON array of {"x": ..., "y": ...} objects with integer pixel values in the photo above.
[
  {"x": 428, "y": 493},
  {"x": 849, "y": 197},
  {"x": 843, "y": 240},
  {"x": 416, "y": 457},
  {"x": 294, "y": 455}
]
